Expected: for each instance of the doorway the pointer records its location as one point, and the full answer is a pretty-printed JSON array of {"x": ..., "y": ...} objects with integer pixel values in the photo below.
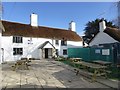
[{"x": 46, "y": 52}]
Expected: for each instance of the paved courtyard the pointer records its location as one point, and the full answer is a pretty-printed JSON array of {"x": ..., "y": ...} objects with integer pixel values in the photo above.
[{"x": 45, "y": 74}]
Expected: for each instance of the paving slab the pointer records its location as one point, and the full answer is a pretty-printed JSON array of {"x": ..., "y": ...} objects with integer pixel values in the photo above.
[
  {"x": 44, "y": 74},
  {"x": 110, "y": 83}
]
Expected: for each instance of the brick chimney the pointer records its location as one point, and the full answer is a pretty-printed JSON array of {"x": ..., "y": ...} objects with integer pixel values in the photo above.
[{"x": 34, "y": 20}]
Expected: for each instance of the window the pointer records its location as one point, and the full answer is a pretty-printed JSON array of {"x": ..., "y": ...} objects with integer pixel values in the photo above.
[
  {"x": 64, "y": 42},
  {"x": 17, "y": 39},
  {"x": 57, "y": 52},
  {"x": 57, "y": 42},
  {"x": 17, "y": 51},
  {"x": 65, "y": 52}
]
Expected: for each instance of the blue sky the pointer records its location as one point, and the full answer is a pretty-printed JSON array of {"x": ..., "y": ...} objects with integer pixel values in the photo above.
[{"x": 59, "y": 14}]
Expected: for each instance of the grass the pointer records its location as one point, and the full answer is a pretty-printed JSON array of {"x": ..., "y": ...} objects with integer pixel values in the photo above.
[{"x": 114, "y": 75}]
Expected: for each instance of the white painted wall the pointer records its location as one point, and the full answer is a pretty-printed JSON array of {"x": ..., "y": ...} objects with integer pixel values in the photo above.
[
  {"x": 48, "y": 45},
  {"x": 1, "y": 29},
  {"x": 102, "y": 38},
  {"x": 40, "y": 53},
  {"x": 0, "y": 46},
  {"x": 30, "y": 48},
  {"x": 70, "y": 44},
  {"x": 74, "y": 44},
  {"x": 61, "y": 51},
  {"x": 7, "y": 46}
]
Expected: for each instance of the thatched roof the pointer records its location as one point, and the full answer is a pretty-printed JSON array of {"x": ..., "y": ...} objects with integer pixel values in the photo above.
[
  {"x": 113, "y": 32},
  {"x": 26, "y": 30}
]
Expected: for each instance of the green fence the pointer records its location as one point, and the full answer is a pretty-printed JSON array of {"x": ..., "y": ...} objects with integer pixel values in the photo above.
[{"x": 91, "y": 54}]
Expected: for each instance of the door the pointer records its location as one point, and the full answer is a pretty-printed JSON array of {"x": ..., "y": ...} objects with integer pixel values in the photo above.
[{"x": 46, "y": 53}]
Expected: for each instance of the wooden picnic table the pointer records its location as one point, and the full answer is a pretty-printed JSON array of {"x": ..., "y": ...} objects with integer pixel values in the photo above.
[
  {"x": 23, "y": 64},
  {"x": 104, "y": 63},
  {"x": 91, "y": 65},
  {"x": 98, "y": 70}
]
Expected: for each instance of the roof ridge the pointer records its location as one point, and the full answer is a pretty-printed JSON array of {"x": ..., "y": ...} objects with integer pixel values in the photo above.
[
  {"x": 54, "y": 28},
  {"x": 38, "y": 26},
  {"x": 14, "y": 22},
  {"x": 113, "y": 28}
]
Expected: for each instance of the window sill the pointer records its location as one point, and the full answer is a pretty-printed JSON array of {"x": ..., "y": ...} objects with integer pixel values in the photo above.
[{"x": 63, "y": 45}]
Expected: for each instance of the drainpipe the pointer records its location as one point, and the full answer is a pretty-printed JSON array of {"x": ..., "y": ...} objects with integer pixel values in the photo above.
[{"x": 2, "y": 55}]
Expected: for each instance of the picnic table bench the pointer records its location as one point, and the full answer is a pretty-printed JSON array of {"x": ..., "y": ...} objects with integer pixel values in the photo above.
[
  {"x": 104, "y": 63},
  {"x": 98, "y": 70},
  {"x": 21, "y": 64}
]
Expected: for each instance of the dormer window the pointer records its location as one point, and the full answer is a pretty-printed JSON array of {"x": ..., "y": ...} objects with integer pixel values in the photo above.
[
  {"x": 64, "y": 42},
  {"x": 57, "y": 42},
  {"x": 17, "y": 39}
]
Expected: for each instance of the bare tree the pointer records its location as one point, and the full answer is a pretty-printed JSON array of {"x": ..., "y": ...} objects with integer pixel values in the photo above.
[
  {"x": 118, "y": 6},
  {"x": 116, "y": 20}
]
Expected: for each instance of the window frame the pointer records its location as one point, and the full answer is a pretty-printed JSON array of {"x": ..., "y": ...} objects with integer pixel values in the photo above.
[
  {"x": 17, "y": 39},
  {"x": 65, "y": 52},
  {"x": 17, "y": 51},
  {"x": 57, "y": 52},
  {"x": 56, "y": 42},
  {"x": 63, "y": 42}
]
